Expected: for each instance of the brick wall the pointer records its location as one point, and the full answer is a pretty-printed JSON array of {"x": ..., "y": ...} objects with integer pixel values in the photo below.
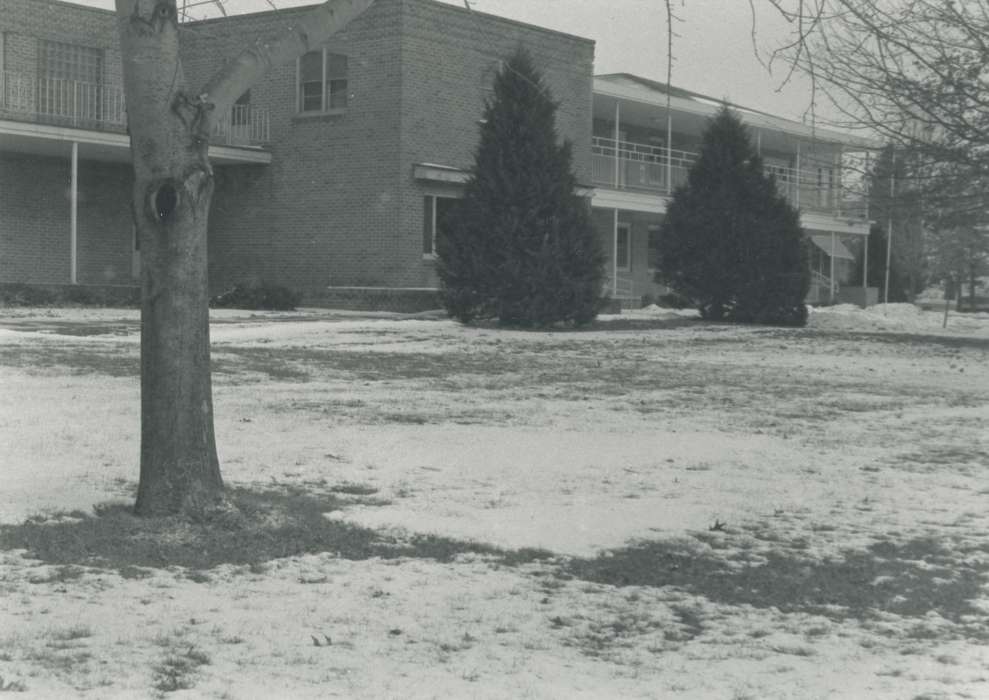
[
  {"x": 34, "y": 221},
  {"x": 325, "y": 212}
]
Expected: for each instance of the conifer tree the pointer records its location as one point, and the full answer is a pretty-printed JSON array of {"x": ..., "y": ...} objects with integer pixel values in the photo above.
[
  {"x": 730, "y": 242},
  {"x": 520, "y": 246}
]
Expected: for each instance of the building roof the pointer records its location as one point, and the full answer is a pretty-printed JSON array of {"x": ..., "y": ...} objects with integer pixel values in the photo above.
[{"x": 639, "y": 89}]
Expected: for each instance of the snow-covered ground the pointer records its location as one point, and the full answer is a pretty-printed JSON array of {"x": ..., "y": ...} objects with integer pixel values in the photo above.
[{"x": 734, "y": 512}]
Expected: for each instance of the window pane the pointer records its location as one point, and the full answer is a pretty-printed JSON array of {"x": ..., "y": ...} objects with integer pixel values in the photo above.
[
  {"x": 622, "y": 258},
  {"x": 312, "y": 97},
  {"x": 338, "y": 94},
  {"x": 427, "y": 225},
  {"x": 310, "y": 67},
  {"x": 311, "y": 82},
  {"x": 336, "y": 66}
]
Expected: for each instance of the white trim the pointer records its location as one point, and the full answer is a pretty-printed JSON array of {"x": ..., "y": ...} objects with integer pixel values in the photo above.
[
  {"x": 607, "y": 198},
  {"x": 824, "y": 223},
  {"x": 117, "y": 145},
  {"x": 439, "y": 173}
]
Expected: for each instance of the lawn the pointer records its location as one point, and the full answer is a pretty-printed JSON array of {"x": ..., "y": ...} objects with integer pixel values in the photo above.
[{"x": 655, "y": 507}]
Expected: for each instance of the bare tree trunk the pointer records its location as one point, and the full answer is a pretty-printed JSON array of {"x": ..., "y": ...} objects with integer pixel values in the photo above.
[{"x": 173, "y": 187}]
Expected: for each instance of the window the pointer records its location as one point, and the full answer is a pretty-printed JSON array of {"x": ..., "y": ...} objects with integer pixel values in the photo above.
[
  {"x": 240, "y": 115},
  {"x": 654, "y": 248},
  {"x": 70, "y": 80},
  {"x": 322, "y": 81},
  {"x": 435, "y": 210},
  {"x": 623, "y": 247}
]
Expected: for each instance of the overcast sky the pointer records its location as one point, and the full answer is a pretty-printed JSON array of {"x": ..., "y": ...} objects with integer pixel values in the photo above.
[{"x": 713, "y": 52}]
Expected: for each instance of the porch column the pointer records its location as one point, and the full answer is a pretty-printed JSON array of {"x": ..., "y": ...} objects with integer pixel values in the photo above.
[
  {"x": 796, "y": 196},
  {"x": 831, "y": 268},
  {"x": 865, "y": 271},
  {"x": 618, "y": 116},
  {"x": 889, "y": 234},
  {"x": 614, "y": 255},
  {"x": 73, "y": 213},
  {"x": 758, "y": 142},
  {"x": 669, "y": 148}
]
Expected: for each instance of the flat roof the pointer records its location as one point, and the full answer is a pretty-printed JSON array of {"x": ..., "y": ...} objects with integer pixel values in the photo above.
[{"x": 637, "y": 88}]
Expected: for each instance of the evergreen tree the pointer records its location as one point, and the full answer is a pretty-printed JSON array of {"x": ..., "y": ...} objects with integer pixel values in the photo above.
[
  {"x": 520, "y": 246},
  {"x": 730, "y": 242}
]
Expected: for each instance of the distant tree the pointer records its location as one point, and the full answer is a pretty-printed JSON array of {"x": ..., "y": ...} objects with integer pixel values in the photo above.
[
  {"x": 520, "y": 246},
  {"x": 902, "y": 189},
  {"x": 730, "y": 241}
]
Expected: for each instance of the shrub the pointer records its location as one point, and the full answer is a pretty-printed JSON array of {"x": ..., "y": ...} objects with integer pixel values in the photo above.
[
  {"x": 257, "y": 297},
  {"x": 520, "y": 246},
  {"x": 730, "y": 242}
]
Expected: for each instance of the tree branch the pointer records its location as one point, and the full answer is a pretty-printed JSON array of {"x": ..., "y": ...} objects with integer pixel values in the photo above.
[{"x": 308, "y": 33}]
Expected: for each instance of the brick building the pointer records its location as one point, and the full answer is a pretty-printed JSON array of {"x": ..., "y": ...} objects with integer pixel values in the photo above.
[
  {"x": 332, "y": 171},
  {"x": 329, "y": 172}
]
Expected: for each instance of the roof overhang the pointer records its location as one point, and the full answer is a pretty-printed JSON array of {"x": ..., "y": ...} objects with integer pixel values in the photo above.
[
  {"x": 701, "y": 105},
  {"x": 108, "y": 146},
  {"x": 628, "y": 201},
  {"x": 822, "y": 223},
  {"x": 449, "y": 175},
  {"x": 832, "y": 246}
]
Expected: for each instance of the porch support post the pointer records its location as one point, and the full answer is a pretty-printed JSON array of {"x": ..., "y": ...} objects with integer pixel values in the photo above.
[
  {"x": 889, "y": 234},
  {"x": 73, "y": 213},
  {"x": 614, "y": 256},
  {"x": 758, "y": 142},
  {"x": 618, "y": 116},
  {"x": 831, "y": 268},
  {"x": 669, "y": 146},
  {"x": 865, "y": 271},
  {"x": 798, "y": 178}
]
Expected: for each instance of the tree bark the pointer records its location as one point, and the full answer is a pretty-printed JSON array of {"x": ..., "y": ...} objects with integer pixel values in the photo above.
[{"x": 173, "y": 187}]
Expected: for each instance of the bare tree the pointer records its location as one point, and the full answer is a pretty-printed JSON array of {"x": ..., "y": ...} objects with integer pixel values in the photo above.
[
  {"x": 916, "y": 73},
  {"x": 912, "y": 71},
  {"x": 170, "y": 126}
]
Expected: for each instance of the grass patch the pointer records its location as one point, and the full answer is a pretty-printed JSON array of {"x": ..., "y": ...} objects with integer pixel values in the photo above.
[
  {"x": 909, "y": 579},
  {"x": 11, "y": 686},
  {"x": 177, "y": 670},
  {"x": 269, "y": 524}
]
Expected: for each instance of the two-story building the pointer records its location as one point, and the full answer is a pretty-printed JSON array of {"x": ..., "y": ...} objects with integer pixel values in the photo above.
[
  {"x": 333, "y": 171},
  {"x": 646, "y": 136}
]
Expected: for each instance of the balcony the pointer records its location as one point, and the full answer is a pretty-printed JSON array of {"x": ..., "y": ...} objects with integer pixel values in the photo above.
[
  {"x": 650, "y": 169},
  {"x": 100, "y": 107}
]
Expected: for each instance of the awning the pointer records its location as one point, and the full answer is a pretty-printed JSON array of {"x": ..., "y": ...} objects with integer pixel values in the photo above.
[{"x": 840, "y": 251}]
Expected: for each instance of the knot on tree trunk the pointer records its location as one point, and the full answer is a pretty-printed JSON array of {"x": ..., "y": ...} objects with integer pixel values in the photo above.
[{"x": 172, "y": 199}]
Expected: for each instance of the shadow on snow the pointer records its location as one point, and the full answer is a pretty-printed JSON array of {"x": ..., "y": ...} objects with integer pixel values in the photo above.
[{"x": 909, "y": 579}]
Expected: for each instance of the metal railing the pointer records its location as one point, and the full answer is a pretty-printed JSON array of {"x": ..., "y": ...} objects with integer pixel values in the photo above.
[
  {"x": 246, "y": 125},
  {"x": 621, "y": 286},
  {"x": 101, "y": 107},
  {"x": 627, "y": 165},
  {"x": 63, "y": 102}
]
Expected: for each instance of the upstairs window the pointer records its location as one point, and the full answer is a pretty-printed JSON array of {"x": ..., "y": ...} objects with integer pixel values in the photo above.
[
  {"x": 322, "y": 81},
  {"x": 70, "y": 62},
  {"x": 70, "y": 81}
]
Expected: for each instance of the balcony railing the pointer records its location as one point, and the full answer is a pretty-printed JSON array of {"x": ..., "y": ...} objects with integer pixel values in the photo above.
[
  {"x": 101, "y": 107},
  {"x": 246, "y": 125},
  {"x": 62, "y": 102},
  {"x": 639, "y": 167}
]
